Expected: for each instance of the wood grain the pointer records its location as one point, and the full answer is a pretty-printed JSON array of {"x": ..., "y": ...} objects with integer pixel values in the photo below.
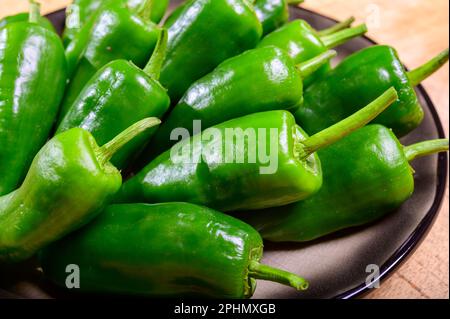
[{"x": 419, "y": 29}]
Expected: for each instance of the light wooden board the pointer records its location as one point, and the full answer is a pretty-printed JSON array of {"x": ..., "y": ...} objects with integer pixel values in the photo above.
[{"x": 419, "y": 29}]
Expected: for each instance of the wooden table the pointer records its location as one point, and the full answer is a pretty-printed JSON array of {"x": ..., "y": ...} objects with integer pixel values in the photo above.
[{"x": 419, "y": 29}]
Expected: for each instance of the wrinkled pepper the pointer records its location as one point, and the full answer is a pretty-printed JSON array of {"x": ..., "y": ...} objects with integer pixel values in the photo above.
[
  {"x": 198, "y": 43},
  {"x": 227, "y": 167},
  {"x": 366, "y": 176},
  {"x": 69, "y": 182},
  {"x": 302, "y": 42},
  {"x": 80, "y": 11},
  {"x": 358, "y": 79},
  {"x": 174, "y": 250},
  {"x": 112, "y": 33},
  {"x": 258, "y": 80},
  {"x": 32, "y": 80},
  {"x": 118, "y": 95}
]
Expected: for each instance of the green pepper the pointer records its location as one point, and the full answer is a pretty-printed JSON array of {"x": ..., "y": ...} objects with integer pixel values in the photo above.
[
  {"x": 228, "y": 166},
  {"x": 24, "y": 17},
  {"x": 366, "y": 176},
  {"x": 69, "y": 182},
  {"x": 173, "y": 250},
  {"x": 81, "y": 10},
  {"x": 159, "y": 9},
  {"x": 203, "y": 34},
  {"x": 258, "y": 80},
  {"x": 273, "y": 13},
  {"x": 358, "y": 79},
  {"x": 112, "y": 33},
  {"x": 32, "y": 79},
  {"x": 302, "y": 42},
  {"x": 118, "y": 95}
]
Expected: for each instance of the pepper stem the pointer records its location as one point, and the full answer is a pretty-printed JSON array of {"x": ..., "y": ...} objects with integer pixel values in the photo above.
[
  {"x": 145, "y": 10},
  {"x": 264, "y": 272},
  {"x": 35, "y": 11},
  {"x": 309, "y": 67},
  {"x": 295, "y": 2},
  {"x": 423, "y": 72},
  {"x": 108, "y": 150},
  {"x": 154, "y": 65},
  {"x": 337, "y": 27},
  {"x": 345, "y": 127},
  {"x": 338, "y": 38},
  {"x": 425, "y": 148}
]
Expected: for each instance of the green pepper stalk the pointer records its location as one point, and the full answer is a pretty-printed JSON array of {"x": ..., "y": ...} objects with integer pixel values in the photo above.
[
  {"x": 357, "y": 80},
  {"x": 174, "y": 250},
  {"x": 337, "y": 27},
  {"x": 69, "y": 182},
  {"x": 302, "y": 43},
  {"x": 343, "y": 36},
  {"x": 258, "y": 80},
  {"x": 194, "y": 47},
  {"x": 81, "y": 11},
  {"x": 423, "y": 72},
  {"x": 118, "y": 95},
  {"x": 33, "y": 75},
  {"x": 24, "y": 17},
  {"x": 201, "y": 170},
  {"x": 112, "y": 33},
  {"x": 366, "y": 176}
]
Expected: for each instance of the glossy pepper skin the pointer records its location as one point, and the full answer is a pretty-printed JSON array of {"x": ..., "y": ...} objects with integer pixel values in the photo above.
[
  {"x": 68, "y": 183},
  {"x": 174, "y": 250},
  {"x": 198, "y": 44},
  {"x": 357, "y": 80},
  {"x": 117, "y": 96},
  {"x": 366, "y": 176},
  {"x": 302, "y": 42},
  {"x": 81, "y": 10},
  {"x": 222, "y": 168},
  {"x": 273, "y": 13},
  {"x": 32, "y": 79},
  {"x": 258, "y": 80},
  {"x": 112, "y": 33},
  {"x": 207, "y": 182},
  {"x": 24, "y": 17}
]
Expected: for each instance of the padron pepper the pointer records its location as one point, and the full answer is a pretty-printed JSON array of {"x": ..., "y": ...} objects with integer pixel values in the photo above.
[
  {"x": 32, "y": 80},
  {"x": 273, "y": 13},
  {"x": 80, "y": 11},
  {"x": 256, "y": 161},
  {"x": 118, "y": 95},
  {"x": 302, "y": 42},
  {"x": 173, "y": 250},
  {"x": 112, "y": 33},
  {"x": 258, "y": 80},
  {"x": 358, "y": 79},
  {"x": 202, "y": 34},
  {"x": 366, "y": 176},
  {"x": 69, "y": 182}
]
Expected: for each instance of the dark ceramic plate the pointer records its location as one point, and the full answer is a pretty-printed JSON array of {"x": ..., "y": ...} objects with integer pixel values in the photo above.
[{"x": 336, "y": 265}]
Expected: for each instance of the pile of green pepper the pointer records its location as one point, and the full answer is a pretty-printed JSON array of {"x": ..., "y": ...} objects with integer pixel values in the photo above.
[{"x": 81, "y": 113}]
